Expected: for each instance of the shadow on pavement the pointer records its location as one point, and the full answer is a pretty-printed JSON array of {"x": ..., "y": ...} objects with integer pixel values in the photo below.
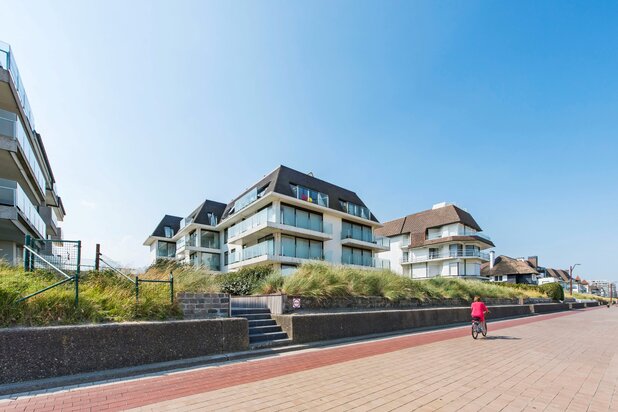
[{"x": 492, "y": 337}]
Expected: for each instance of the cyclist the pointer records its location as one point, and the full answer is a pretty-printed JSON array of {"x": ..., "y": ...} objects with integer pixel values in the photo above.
[{"x": 478, "y": 311}]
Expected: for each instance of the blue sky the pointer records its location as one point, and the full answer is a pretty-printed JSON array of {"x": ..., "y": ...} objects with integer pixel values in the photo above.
[{"x": 507, "y": 109}]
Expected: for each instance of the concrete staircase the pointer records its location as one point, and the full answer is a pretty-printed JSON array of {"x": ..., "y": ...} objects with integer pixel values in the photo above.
[{"x": 263, "y": 330}]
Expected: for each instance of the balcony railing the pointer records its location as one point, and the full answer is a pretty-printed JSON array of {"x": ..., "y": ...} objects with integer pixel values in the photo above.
[
  {"x": 11, "y": 194},
  {"x": 261, "y": 249},
  {"x": 432, "y": 236},
  {"x": 7, "y": 61},
  {"x": 310, "y": 195},
  {"x": 10, "y": 126},
  {"x": 378, "y": 240},
  {"x": 449, "y": 255},
  {"x": 368, "y": 261},
  {"x": 260, "y": 218}
]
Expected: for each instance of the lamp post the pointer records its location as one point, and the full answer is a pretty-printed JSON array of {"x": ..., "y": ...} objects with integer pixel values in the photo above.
[{"x": 571, "y": 277}]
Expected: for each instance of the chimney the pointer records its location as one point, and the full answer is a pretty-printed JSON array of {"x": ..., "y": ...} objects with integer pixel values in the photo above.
[
  {"x": 534, "y": 260},
  {"x": 492, "y": 257}
]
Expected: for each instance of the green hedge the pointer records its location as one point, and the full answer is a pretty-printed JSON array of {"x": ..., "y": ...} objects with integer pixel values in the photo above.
[
  {"x": 553, "y": 291},
  {"x": 245, "y": 280}
]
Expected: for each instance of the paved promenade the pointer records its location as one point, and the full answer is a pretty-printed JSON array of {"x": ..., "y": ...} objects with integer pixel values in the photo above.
[{"x": 565, "y": 361}]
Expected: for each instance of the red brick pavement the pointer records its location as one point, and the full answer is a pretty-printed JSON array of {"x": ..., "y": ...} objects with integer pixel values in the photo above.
[{"x": 135, "y": 393}]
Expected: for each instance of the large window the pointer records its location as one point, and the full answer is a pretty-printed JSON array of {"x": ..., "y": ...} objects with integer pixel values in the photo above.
[
  {"x": 211, "y": 260},
  {"x": 354, "y": 209},
  {"x": 168, "y": 231},
  {"x": 166, "y": 249},
  {"x": 301, "y": 248},
  {"x": 351, "y": 230},
  {"x": 301, "y": 218},
  {"x": 209, "y": 239},
  {"x": 355, "y": 256}
]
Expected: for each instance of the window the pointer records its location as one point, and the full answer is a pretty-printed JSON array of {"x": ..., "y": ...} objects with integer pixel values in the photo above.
[
  {"x": 472, "y": 250},
  {"x": 405, "y": 257},
  {"x": 301, "y": 248},
  {"x": 351, "y": 230},
  {"x": 166, "y": 249},
  {"x": 226, "y": 258},
  {"x": 212, "y": 219},
  {"x": 354, "y": 209},
  {"x": 301, "y": 218},
  {"x": 169, "y": 232},
  {"x": 209, "y": 239},
  {"x": 434, "y": 253},
  {"x": 455, "y": 250},
  {"x": 355, "y": 256},
  {"x": 453, "y": 268},
  {"x": 192, "y": 240},
  {"x": 211, "y": 260}
]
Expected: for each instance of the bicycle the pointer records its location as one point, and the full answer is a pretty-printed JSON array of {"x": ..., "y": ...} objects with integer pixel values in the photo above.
[{"x": 477, "y": 327}]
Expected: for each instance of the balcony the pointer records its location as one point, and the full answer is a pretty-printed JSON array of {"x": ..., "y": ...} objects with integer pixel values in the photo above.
[
  {"x": 7, "y": 62},
  {"x": 366, "y": 240},
  {"x": 261, "y": 249},
  {"x": 432, "y": 236},
  {"x": 309, "y": 195},
  {"x": 267, "y": 251},
  {"x": 366, "y": 261},
  {"x": 266, "y": 218},
  {"x": 449, "y": 255},
  {"x": 10, "y": 126},
  {"x": 11, "y": 194}
]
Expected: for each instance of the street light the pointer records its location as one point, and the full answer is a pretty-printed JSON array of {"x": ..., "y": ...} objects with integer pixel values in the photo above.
[{"x": 571, "y": 276}]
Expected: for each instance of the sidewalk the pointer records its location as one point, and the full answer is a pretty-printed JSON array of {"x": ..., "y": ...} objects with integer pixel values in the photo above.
[{"x": 523, "y": 364}]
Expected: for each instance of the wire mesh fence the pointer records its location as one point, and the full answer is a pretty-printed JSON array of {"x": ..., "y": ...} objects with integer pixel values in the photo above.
[{"x": 61, "y": 256}]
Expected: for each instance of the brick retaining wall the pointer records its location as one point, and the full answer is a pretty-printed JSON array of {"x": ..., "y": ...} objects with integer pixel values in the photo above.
[{"x": 198, "y": 305}]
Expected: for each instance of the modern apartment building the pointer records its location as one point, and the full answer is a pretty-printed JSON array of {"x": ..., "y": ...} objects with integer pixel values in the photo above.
[
  {"x": 285, "y": 219},
  {"x": 29, "y": 201},
  {"x": 442, "y": 241}
]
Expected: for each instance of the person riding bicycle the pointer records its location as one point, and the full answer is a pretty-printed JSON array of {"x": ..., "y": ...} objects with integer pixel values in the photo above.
[{"x": 478, "y": 311}]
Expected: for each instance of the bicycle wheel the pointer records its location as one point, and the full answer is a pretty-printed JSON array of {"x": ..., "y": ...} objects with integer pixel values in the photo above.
[
  {"x": 484, "y": 330},
  {"x": 475, "y": 332}
]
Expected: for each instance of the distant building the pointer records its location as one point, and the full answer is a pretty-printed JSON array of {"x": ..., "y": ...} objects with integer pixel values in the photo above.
[
  {"x": 511, "y": 270},
  {"x": 442, "y": 241}
]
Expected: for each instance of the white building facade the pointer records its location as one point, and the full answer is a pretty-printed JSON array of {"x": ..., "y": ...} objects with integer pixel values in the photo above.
[
  {"x": 285, "y": 219},
  {"x": 442, "y": 241}
]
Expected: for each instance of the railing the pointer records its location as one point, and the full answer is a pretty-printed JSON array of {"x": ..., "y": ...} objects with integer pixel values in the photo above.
[
  {"x": 356, "y": 210},
  {"x": 368, "y": 261},
  {"x": 431, "y": 236},
  {"x": 449, "y": 255},
  {"x": 11, "y": 194},
  {"x": 378, "y": 240},
  {"x": 11, "y": 126},
  {"x": 311, "y": 196},
  {"x": 309, "y": 224},
  {"x": 261, "y": 249},
  {"x": 7, "y": 61},
  {"x": 260, "y": 218}
]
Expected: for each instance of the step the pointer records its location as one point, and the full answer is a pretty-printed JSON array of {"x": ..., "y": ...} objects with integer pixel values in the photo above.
[
  {"x": 261, "y": 322},
  {"x": 261, "y": 337},
  {"x": 270, "y": 343},
  {"x": 249, "y": 311},
  {"x": 254, "y": 330},
  {"x": 257, "y": 316}
]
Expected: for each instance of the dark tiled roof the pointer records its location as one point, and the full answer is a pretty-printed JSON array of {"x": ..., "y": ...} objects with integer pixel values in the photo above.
[
  {"x": 200, "y": 215},
  {"x": 418, "y": 223},
  {"x": 558, "y": 274},
  {"x": 171, "y": 221},
  {"x": 504, "y": 265},
  {"x": 281, "y": 179}
]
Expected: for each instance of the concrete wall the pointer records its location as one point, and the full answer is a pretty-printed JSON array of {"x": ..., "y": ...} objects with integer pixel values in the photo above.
[
  {"x": 44, "y": 352},
  {"x": 303, "y": 328}
]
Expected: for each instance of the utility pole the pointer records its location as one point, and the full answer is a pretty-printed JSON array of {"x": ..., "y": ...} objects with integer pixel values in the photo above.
[{"x": 571, "y": 277}]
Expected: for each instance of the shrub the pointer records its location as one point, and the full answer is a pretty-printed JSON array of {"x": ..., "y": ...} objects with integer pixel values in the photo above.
[
  {"x": 245, "y": 280},
  {"x": 553, "y": 291}
]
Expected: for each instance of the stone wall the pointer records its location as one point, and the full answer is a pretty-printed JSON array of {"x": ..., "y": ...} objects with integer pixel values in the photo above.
[
  {"x": 313, "y": 327},
  {"x": 198, "y": 305},
  {"x": 45, "y": 352},
  {"x": 338, "y": 304}
]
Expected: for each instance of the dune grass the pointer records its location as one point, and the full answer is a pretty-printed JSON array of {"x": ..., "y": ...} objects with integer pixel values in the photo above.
[{"x": 322, "y": 281}]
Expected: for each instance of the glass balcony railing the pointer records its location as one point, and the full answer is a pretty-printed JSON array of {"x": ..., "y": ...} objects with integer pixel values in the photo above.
[
  {"x": 448, "y": 255},
  {"x": 310, "y": 195},
  {"x": 366, "y": 261},
  {"x": 7, "y": 62},
  {"x": 432, "y": 236},
  {"x": 11, "y": 194},
  {"x": 261, "y": 249},
  {"x": 260, "y": 218},
  {"x": 10, "y": 126},
  {"x": 366, "y": 237}
]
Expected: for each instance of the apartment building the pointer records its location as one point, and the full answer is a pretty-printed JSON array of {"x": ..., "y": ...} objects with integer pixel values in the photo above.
[
  {"x": 442, "y": 241},
  {"x": 29, "y": 201},
  {"x": 285, "y": 219}
]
